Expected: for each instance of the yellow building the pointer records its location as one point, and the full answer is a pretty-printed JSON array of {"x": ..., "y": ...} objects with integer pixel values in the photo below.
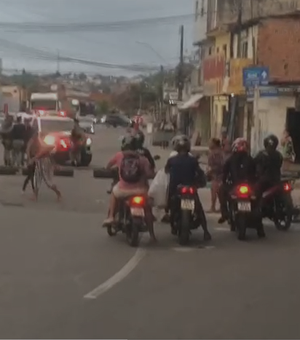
[{"x": 215, "y": 74}]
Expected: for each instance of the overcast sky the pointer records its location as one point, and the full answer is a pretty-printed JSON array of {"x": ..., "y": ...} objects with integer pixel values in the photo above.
[{"x": 118, "y": 47}]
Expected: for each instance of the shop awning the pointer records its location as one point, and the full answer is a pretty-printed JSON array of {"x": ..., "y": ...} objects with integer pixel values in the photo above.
[{"x": 191, "y": 102}]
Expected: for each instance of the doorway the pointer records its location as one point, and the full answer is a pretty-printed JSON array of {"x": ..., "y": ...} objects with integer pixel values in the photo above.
[{"x": 293, "y": 127}]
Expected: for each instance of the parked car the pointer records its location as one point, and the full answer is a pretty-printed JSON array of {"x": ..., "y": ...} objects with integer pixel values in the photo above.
[
  {"x": 115, "y": 120},
  {"x": 87, "y": 124},
  {"x": 57, "y": 131}
]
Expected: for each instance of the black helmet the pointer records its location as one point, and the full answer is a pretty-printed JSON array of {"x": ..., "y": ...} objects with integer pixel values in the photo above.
[
  {"x": 140, "y": 138},
  {"x": 182, "y": 143},
  {"x": 271, "y": 142},
  {"x": 129, "y": 143}
]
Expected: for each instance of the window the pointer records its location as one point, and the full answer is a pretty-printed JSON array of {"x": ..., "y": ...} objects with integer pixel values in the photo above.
[
  {"x": 218, "y": 49},
  {"x": 196, "y": 10},
  {"x": 49, "y": 126},
  {"x": 44, "y": 104},
  {"x": 245, "y": 49},
  {"x": 210, "y": 51}
]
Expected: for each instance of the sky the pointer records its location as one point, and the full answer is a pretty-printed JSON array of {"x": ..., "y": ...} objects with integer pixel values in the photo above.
[{"x": 122, "y": 46}]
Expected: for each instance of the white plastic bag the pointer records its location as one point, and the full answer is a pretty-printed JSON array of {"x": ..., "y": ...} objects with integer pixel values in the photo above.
[{"x": 159, "y": 188}]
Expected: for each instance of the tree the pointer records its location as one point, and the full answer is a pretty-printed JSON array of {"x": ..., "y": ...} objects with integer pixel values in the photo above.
[{"x": 103, "y": 107}]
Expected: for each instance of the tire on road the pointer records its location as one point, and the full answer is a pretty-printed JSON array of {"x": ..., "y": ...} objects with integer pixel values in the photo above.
[
  {"x": 5, "y": 170},
  {"x": 102, "y": 173},
  {"x": 64, "y": 172},
  {"x": 86, "y": 158}
]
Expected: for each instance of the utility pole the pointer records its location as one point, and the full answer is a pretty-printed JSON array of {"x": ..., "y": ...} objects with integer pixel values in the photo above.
[
  {"x": 180, "y": 68},
  {"x": 239, "y": 29},
  {"x": 58, "y": 62},
  {"x": 161, "y": 90}
]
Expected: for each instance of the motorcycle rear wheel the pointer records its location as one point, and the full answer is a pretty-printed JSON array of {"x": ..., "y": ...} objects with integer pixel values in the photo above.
[
  {"x": 241, "y": 228},
  {"x": 287, "y": 205},
  {"x": 132, "y": 234},
  {"x": 184, "y": 231}
]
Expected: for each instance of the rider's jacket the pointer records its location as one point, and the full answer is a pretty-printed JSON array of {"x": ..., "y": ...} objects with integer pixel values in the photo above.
[
  {"x": 184, "y": 170},
  {"x": 146, "y": 153},
  {"x": 268, "y": 165},
  {"x": 238, "y": 168}
]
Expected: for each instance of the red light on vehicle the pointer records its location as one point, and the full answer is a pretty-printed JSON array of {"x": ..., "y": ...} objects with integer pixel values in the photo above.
[
  {"x": 187, "y": 190},
  {"x": 243, "y": 190},
  {"x": 287, "y": 187},
  {"x": 138, "y": 200}
]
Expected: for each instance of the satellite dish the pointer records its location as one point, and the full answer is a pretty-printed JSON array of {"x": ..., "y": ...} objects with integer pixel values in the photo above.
[
  {"x": 54, "y": 87},
  {"x": 75, "y": 102}
]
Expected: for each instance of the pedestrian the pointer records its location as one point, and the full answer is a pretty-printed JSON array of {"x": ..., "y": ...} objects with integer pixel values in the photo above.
[
  {"x": 31, "y": 152},
  {"x": 226, "y": 145},
  {"x": 214, "y": 171},
  {"x": 18, "y": 141},
  {"x": 288, "y": 151}
]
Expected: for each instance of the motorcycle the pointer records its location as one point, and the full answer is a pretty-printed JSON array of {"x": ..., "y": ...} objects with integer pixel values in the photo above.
[
  {"x": 244, "y": 212},
  {"x": 277, "y": 204},
  {"x": 183, "y": 216},
  {"x": 130, "y": 219}
]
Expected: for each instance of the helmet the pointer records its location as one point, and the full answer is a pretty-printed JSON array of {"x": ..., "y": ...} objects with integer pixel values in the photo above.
[
  {"x": 128, "y": 143},
  {"x": 182, "y": 143},
  {"x": 240, "y": 145},
  {"x": 271, "y": 142},
  {"x": 140, "y": 138}
]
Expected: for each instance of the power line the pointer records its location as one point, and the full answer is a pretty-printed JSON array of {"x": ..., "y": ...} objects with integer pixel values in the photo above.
[
  {"x": 92, "y": 26},
  {"x": 50, "y": 56}
]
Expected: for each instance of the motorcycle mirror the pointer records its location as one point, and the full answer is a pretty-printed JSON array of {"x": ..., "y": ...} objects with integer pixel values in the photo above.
[{"x": 156, "y": 157}]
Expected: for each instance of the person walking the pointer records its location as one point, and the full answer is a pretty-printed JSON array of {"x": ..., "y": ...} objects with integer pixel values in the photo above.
[{"x": 214, "y": 171}]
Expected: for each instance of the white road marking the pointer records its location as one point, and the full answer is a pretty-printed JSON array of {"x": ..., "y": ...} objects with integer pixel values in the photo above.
[
  {"x": 119, "y": 276},
  {"x": 222, "y": 229},
  {"x": 184, "y": 249}
]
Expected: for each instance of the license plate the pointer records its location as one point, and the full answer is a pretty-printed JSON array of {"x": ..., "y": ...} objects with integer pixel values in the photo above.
[
  {"x": 137, "y": 212},
  {"x": 244, "y": 206},
  {"x": 187, "y": 204}
]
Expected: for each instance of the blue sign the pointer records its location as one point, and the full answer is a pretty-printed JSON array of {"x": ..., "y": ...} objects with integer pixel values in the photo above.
[
  {"x": 264, "y": 92},
  {"x": 255, "y": 76}
]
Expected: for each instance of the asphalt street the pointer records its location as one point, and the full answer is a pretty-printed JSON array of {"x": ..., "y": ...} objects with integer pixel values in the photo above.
[{"x": 62, "y": 276}]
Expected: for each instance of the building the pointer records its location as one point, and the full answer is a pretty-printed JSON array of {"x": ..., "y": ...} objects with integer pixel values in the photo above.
[
  {"x": 217, "y": 54},
  {"x": 195, "y": 111}
]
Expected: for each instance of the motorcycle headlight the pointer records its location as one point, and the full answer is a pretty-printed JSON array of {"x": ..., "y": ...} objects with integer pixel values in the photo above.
[{"x": 88, "y": 141}]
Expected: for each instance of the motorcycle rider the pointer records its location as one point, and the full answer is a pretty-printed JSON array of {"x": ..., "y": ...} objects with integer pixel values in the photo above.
[
  {"x": 130, "y": 163},
  {"x": 268, "y": 164},
  {"x": 77, "y": 138},
  {"x": 238, "y": 168},
  {"x": 140, "y": 139},
  {"x": 185, "y": 170}
]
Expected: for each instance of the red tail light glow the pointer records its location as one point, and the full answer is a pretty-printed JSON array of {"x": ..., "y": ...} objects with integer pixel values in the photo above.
[
  {"x": 287, "y": 187},
  {"x": 243, "y": 190},
  {"x": 187, "y": 190},
  {"x": 138, "y": 200}
]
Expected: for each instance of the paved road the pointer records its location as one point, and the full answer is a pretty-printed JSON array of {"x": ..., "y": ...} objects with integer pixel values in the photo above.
[{"x": 53, "y": 255}]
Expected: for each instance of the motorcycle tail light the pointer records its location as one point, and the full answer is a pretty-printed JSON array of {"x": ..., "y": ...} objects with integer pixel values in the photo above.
[
  {"x": 187, "y": 190},
  {"x": 287, "y": 187},
  {"x": 138, "y": 200},
  {"x": 243, "y": 191}
]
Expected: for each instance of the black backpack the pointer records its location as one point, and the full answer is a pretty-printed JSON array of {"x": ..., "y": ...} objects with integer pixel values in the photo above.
[{"x": 130, "y": 168}]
